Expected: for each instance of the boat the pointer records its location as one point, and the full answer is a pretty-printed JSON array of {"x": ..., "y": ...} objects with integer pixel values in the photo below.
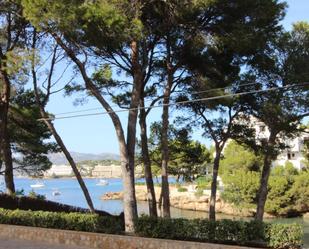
[
  {"x": 102, "y": 182},
  {"x": 38, "y": 185},
  {"x": 56, "y": 192}
]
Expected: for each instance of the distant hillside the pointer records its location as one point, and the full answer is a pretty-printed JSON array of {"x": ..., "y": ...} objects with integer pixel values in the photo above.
[
  {"x": 59, "y": 158},
  {"x": 92, "y": 163}
]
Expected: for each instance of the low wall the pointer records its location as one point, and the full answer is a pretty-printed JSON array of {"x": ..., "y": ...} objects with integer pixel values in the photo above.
[{"x": 100, "y": 241}]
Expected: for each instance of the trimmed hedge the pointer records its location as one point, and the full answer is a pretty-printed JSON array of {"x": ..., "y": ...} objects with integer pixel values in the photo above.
[
  {"x": 67, "y": 221},
  {"x": 35, "y": 204},
  {"x": 222, "y": 231},
  {"x": 252, "y": 233}
]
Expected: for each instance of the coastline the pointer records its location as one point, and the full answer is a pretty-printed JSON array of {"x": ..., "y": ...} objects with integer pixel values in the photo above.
[{"x": 186, "y": 201}]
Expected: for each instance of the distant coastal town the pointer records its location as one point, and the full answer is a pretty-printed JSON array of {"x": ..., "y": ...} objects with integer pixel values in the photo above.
[{"x": 89, "y": 168}]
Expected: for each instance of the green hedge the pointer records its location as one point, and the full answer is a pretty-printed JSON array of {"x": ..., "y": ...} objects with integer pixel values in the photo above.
[
  {"x": 67, "y": 221},
  {"x": 222, "y": 231},
  {"x": 35, "y": 204}
]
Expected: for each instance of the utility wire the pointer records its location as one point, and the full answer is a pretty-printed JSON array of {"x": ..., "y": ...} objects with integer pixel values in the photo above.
[
  {"x": 150, "y": 100},
  {"x": 179, "y": 103}
]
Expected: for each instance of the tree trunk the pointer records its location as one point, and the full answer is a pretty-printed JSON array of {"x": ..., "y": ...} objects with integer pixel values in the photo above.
[
  {"x": 165, "y": 149},
  {"x": 72, "y": 163},
  {"x": 129, "y": 178},
  {"x": 151, "y": 196},
  {"x": 8, "y": 162},
  {"x": 213, "y": 196},
  {"x": 5, "y": 146},
  {"x": 263, "y": 190},
  {"x": 127, "y": 150},
  {"x": 59, "y": 141}
]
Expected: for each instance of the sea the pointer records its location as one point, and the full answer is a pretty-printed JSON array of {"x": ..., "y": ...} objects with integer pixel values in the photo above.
[{"x": 70, "y": 193}]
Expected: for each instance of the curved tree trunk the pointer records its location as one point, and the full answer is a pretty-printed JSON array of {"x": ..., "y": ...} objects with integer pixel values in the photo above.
[
  {"x": 127, "y": 149},
  {"x": 59, "y": 141},
  {"x": 263, "y": 190},
  {"x": 5, "y": 146},
  {"x": 213, "y": 196},
  {"x": 72, "y": 163},
  {"x": 151, "y": 196}
]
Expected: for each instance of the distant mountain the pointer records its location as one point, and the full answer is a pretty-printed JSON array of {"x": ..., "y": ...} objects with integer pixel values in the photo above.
[{"x": 59, "y": 158}]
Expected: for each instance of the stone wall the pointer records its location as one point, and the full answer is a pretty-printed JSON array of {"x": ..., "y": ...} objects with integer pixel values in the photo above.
[{"x": 100, "y": 241}]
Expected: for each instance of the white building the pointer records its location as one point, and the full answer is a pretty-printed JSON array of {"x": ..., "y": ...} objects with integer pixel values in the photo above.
[
  {"x": 59, "y": 170},
  {"x": 294, "y": 152}
]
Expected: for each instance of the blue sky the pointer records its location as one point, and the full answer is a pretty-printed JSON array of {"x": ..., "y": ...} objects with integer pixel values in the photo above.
[{"x": 96, "y": 134}]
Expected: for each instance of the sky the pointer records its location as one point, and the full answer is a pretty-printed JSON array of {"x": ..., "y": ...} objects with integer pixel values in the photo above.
[{"x": 96, "y": 134}]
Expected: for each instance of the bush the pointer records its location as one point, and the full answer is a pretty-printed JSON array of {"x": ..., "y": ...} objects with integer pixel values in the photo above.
[
  {"x": 284, "y": 235},
  {"x": 34, "y": 195},
  {"x": 182, "y": 189},
  {"x": 35, "y": 204},
  {"x": 67, "y": 221},
  {"x": 222, "y": 231},
  {"x": 203, "y": 182}
]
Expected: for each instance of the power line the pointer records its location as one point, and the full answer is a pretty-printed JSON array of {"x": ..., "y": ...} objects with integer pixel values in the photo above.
[
  {"x": 178, "y": 103},
  {"x": 197, "y": 92}
]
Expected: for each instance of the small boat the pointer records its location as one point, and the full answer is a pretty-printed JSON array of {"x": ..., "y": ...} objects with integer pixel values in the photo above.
[
  {"x": 56, "y": 192},
  {"x": 38, "y": 185},
  {"x": 102, "y": 182}
]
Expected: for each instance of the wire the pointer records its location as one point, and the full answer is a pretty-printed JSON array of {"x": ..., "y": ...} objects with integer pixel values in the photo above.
[
  {"x": 178, "y": 103},
  {"x": 198, "y": 92}
]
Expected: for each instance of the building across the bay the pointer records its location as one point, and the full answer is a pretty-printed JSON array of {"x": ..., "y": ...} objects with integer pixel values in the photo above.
[
  {"x": 59, "y": 171},
  {"x": 294, "y": 151}
]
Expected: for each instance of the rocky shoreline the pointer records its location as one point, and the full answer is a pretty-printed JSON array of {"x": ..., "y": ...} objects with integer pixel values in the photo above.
[{"x": 185, "y": 200}]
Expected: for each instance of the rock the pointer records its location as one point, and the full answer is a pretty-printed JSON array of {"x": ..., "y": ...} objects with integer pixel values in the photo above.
[
  {"x": 306, "y": 215},
  {"x": 185, "y": 200},
  {"x": 112, "y": 196}
]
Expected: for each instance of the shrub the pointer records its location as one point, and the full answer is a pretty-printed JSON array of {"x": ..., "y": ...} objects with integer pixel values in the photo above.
[
  {"x": 67, "y": 221},
  {"x": 222, "y": 231},
  {"x": 203, "y": 182},
  {"x": 34, "y": 204},
  {"x": 34, "y": 195},
  {"x": 182, "y": 189},
  {"x": 199, "y": 192},
  {"x": 284, "y": 235}
]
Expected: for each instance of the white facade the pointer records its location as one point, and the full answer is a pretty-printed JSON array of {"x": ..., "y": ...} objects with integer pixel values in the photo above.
[
  {"x": 59, "y": 170},
  {"x": 294, "y": 152}
]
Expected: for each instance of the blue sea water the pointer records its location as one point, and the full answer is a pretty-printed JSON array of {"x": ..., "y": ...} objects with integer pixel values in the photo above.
[{"x": 71, "y": 194}]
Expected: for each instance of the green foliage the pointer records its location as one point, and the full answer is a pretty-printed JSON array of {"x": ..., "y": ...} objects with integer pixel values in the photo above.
[
  {"x": 182, "y": 189},
  {"x": 93, "y": 163},
  {"x": 66, "y": 221},
  {"x": 203, "y": 182},
  {"x": 280, "y": 200},
  {"x": 299, "y": 192},
  {"x": 187, "y": 158},
  {"x": 198, "y": 192},
  {"x": 222, "y": 231},
  {"x": 28, "y": 136},
  {"x": 34, "y": 195},
  {"x": 240, "y": 172},
  {"x": 284, "y": 235},
  {"x": 241, "y": 187},
  {"x": 239, "y": 157}
]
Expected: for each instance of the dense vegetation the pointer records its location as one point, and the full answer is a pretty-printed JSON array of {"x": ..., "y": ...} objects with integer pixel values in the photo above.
[
  {"x": 67, "y": 221},
  {"x": 93, "y": 163},
  {"x": 222, "y": 231},
  {"x": 288, "y": 188},
  {"x": 38, "y": 203}
]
